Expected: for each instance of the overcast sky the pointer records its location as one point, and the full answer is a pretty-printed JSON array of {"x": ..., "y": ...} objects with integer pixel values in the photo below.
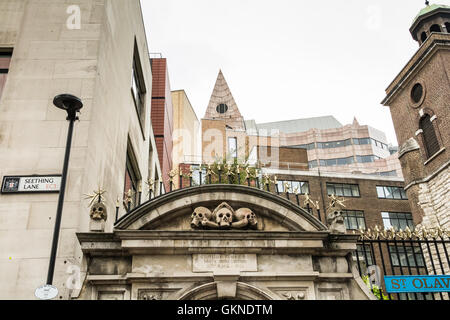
[{"x": 287, "y": 59}]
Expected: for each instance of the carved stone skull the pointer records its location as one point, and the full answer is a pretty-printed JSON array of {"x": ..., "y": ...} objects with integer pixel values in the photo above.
[
  {"x": 99, "y": 211},
  {"x": 246, "y": 217},
  {"x": 200, "y": 214},
  {"x": 224, "y": 217},
  {"x": 336, "y": 222}
]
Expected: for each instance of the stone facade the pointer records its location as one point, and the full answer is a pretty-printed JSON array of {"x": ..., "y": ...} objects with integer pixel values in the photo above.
[
  {"x": 154, "y": 254},
  {"x": 53, "y": 55}
]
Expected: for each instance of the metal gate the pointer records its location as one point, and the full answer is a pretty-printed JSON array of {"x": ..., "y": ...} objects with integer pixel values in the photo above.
[{"x": 400, "y": 253}]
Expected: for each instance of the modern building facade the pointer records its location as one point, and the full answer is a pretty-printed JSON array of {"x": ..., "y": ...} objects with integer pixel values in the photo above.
[
  {"x": 56, "y": 48},
  {"x": 331, "y": 146}
]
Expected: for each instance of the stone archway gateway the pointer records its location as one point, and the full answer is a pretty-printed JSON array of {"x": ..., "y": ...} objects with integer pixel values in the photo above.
[{"x": 220, "y": 242}]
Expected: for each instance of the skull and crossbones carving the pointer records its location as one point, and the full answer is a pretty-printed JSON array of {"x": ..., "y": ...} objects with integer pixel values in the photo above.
[
  {"x": 199, "y": 215},
  {"x": 245, "y": 218},
  {"x": 224, "y": 217}
]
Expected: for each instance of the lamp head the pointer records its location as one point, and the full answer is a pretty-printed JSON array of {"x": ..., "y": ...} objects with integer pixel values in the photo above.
[{"x": 70, "y": 104}]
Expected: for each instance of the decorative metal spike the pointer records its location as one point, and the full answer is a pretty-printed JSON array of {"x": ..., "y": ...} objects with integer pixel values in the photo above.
[
  {"x": 95, "y": 196},
  {"x": 129, "y": 196}
]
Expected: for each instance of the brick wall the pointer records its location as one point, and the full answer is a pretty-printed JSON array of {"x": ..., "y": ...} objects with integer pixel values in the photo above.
[
  {"x": 162, "y": 116},
  {"x": 368, "y": 202}
]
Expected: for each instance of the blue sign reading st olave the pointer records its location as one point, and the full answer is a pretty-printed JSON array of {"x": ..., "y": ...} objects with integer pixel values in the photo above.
[{"x": 401, "y": 284}]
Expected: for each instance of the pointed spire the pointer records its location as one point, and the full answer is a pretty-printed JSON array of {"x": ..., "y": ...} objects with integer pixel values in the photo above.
[
  {"x": 355, "y": 122},
  {"x": 223, "y": 106}
]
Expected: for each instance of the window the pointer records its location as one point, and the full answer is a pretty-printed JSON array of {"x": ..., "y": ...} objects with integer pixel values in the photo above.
[
  {"x": 400, "y": 254},
  {"x": 364, "y": 255},
  {"x": 196, "y": 175},
  {"x": 293, "y": 186},
  {"x": 361, "y": 141},
  {"x": 429, "y": 136},
  {"x": 222, "y": 108},
  {"x": 417, "y": 93},
  {"x": 5, "y": 60},
  {"x": 132, "y": 176},
  {"x": 447, "y": 26},
  {"x": 435, "y": 28},
  {"x": 334, "y": 144},
  {"x": 313, "y": 164},
  {"x": 232, "y": 147},
  {"x": 379, "y": 144},
  {"x": 423, "y": 36},
  {"x": 354, "y": 220},
  {"x": 392, "y": 173},
  {"x": 336, "y": 162},
  {"x": 138, "y": 89},
  {"x": 343, "y": 190},
  {"x": 397, "y": 193},
  {"x": 309, "y": 146},
  {"x": 399, "y": 221},
  {"x": 366, "y": 159}
]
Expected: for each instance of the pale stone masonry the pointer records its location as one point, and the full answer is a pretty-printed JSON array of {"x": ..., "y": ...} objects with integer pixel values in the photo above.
[{"x": 94, "y": 63}]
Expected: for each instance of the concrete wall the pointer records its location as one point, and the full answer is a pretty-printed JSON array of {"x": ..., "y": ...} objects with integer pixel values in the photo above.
[{"x": 93, "y": 63}]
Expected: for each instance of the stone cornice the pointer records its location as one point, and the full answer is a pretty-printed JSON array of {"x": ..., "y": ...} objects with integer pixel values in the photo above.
[
  {"x": 409, "y": 146},
  {"x": 190, "y": 242},
  {"x": 431, "y": 176},
  {"x": 214, "y": 189}
]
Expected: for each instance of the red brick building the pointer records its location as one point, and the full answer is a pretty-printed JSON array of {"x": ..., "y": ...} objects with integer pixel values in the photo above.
[
  {"x": 419, "y": 99},
  {"x": 162, "y": 116}
]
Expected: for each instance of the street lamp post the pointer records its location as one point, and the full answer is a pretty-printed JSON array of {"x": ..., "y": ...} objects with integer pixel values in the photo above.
[{"x": 72, "y": 105}]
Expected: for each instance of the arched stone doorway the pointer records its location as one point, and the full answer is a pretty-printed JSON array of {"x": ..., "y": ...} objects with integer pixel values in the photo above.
[{"x": 213, "y": 291}]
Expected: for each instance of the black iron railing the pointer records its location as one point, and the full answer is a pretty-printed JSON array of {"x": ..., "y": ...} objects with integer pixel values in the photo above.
[{"x": 389, "y": 253}]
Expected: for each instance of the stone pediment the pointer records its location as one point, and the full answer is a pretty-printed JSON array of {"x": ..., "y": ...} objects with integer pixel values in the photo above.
[{"x": 220, "y": 208}]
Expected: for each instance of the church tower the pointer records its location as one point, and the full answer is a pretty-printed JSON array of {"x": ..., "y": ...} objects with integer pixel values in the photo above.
[
  {"x": 419, "y": 100},
  {"x": 223, "y": 107},
  {"x": 223, "y": 127}
]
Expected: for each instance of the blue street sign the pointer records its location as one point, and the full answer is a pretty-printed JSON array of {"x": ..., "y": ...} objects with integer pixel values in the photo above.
[{"x": 401, "y": 284}]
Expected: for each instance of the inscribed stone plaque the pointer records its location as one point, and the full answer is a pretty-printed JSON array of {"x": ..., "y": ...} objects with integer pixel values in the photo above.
[{"x": 224, "y": 262}]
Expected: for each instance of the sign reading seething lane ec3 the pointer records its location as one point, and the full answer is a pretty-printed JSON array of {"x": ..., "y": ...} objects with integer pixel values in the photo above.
[
  {"x": 31, "y": 184},
  {"x": 403, "y": 284}
]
